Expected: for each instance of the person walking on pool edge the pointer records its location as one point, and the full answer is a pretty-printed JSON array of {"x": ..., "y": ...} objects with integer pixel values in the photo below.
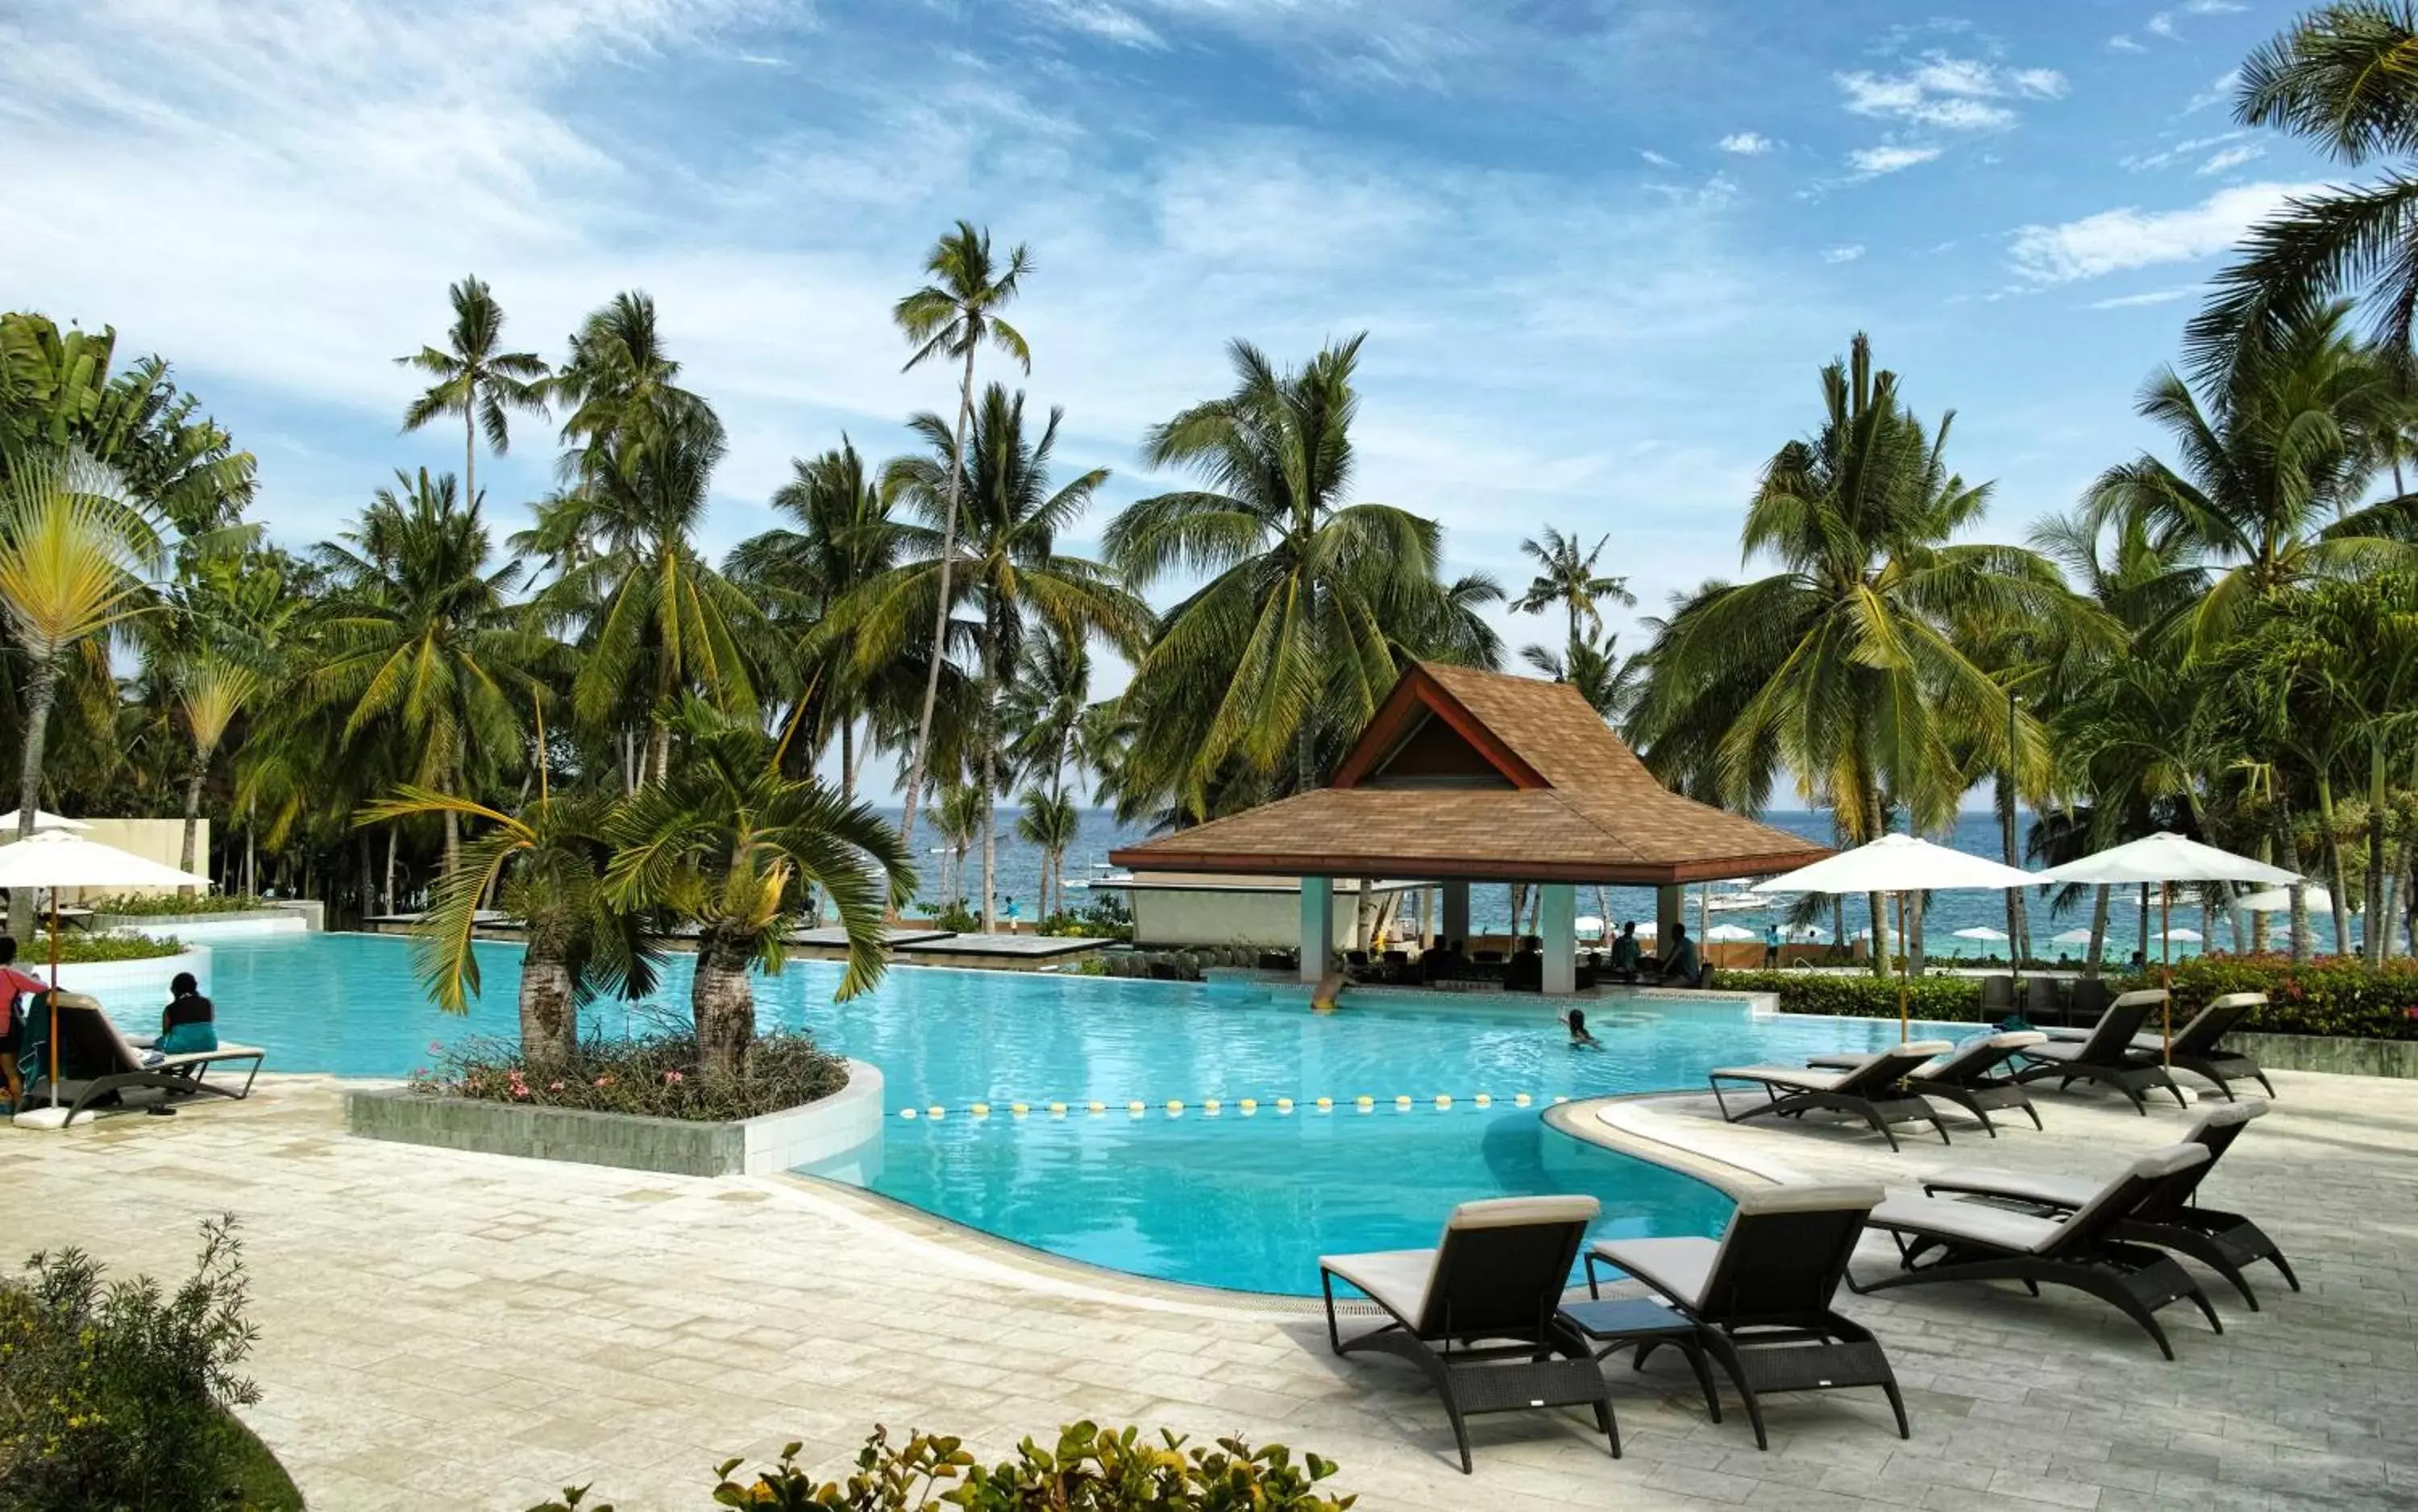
[
  {"x": 1008, "y": 913},
  {"x": 1770, "y": 946}
]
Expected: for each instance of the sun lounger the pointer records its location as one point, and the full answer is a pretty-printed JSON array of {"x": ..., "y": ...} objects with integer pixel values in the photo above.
[
  {"x": 1479, "y": 1313},
  {"x": 97, "y": 1065},
  {"x": 1949, "y": 1239},
  {"x": 2107, "y": 1054},
  {"x": 1971, "y": 1076},
  {"x": 1763, "y": 1293},
  {"x": 1874, "y": 1089},
  {"x": 2225, "y": 1242},
  {"x": 2040, "y": 1000},
  {"x": 1998, "y": 996},
  {"x": 2197, "y": 1045}
]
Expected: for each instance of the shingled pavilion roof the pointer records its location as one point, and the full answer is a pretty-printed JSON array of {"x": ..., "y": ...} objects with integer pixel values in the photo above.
[{"x": 1481, "y": 776}]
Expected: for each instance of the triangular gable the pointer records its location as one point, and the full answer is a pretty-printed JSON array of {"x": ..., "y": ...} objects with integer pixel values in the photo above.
[{"x": 1434, "y": 736}]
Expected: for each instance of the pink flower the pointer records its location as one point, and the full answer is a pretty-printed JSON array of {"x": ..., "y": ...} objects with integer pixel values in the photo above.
[
  {"x": 603, "y": 1081},
  {"x": 417, "y": 1072},
  {"x": 556, "y": 1086},
  {"x": 673, "y": 1078},
  {"x": 435, "y": 1048}
]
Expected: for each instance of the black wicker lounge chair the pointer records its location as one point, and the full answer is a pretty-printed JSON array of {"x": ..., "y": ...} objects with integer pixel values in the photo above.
[
  {"x": 2223, "y": 1242},
  {"x": 1479, "y": 1313},
  {"x": 98, "y": 1065},
  {"x": 1949, "y": 1239},
  {"x": 1972, "y": 1075},
  {"x": 1763, "y": 1293},
  {"x": 1874, "y": 1088},
  {"x": 2198, "y": 1045},
  {"x": 2107, "y": 1054}
]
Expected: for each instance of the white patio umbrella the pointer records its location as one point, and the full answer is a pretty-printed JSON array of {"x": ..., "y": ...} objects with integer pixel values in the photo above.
[
  {"x": 2165, "y": 858},
  {"x": 1728, "y": 933},
  {"x": 1587, "y": 923},
  {"x": 2072, "y": 936},
  {"x": 1982, "y": 932},
  {"x": 2182, "y": 937},
  {"x": 44, "y": 819},
  {"x": 1900, "y": 864},
  {"x": 2279, "y": 899},
  {"x": 54, "y": 859}
]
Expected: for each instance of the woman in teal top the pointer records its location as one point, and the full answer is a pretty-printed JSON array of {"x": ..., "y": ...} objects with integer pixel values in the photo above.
[{"x": 189, "y": 1025}]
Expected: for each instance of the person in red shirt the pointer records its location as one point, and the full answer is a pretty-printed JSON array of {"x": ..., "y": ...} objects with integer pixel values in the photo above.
[{"x": 15, "y": 986}]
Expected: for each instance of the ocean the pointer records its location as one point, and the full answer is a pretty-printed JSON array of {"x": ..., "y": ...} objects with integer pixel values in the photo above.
[{"x": 1020, "y": 877}]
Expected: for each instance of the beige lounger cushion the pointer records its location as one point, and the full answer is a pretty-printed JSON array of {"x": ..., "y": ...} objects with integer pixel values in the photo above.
[
  {"x": 227, "y": 1052},
  {"x": 1975, "y": 1222},
  {"x": 1398, "y": 1278},
  {"x": 1805, "y": 1076},
  {"x": 1676, "y": 1267},
  {"x": 1514, "y": 1211},
  {"x": 2056, "y": 1191}
]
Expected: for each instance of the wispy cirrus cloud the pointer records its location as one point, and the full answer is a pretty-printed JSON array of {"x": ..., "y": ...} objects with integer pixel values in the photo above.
[
  {"x": 1949, "y": 93},
  {"x": 2153, "y": 296},
  {"x": 1874, "y": 161},
  {"x": 2115, "y": 241},
  {"x": 2233, "y": 157},
  {"x": 1746, "y": 144},
  {"x": 1848, "y": 253}
]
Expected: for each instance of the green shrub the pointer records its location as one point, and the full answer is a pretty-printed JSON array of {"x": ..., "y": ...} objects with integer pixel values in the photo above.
[
  {"x": 1092, "y": 1470},
  {"x": 655, "y": 1077},
  {"x": 101, "y": 948},
  {"x": 958, "y": 916},
  {"x": 132, "y": 907},
  {"x": 119, "y": 1395},
  {"x": 2332, "y": 994},
  {"x": 1954, "y": 1000}
]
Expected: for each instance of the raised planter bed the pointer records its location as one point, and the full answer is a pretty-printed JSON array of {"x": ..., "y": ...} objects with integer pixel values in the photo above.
[
  {"x": 234, "y": 925},
  {"x": 125, "y": 979},
  {"x": 2324, "y": 1052},
  {"x": 829, "y": 1132}
]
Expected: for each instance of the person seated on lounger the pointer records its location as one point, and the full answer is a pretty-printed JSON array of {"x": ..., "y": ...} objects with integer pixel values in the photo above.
[
  {"x": 1625, "y": 955},
  {"x": 189, "y": 1024},
  {"x": 1579, "y": 1038},
  {"x": 16, "y": 991},
  {"x": 1681, "y": 965}
]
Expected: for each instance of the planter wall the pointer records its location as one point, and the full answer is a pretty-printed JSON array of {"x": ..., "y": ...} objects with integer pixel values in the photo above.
[
  {"x": 2343, "y": 1057},
  {"x": 122, "y": 983},
  {"x": 251, "y": 922},
  {"x": 840, "y": 1131}
]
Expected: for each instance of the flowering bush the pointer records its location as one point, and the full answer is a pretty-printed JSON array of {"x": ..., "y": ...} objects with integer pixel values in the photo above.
[
  {"x": 1092, "y": 1469},
  {"x": 655, "y": 1077},
  {"x": 2331, "y": 995}
]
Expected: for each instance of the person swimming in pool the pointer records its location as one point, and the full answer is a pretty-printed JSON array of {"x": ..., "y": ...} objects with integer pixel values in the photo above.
[{"x": 1579, "y": 1038}]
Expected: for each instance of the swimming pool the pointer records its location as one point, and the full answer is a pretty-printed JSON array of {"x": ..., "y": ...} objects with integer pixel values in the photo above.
[{"x": 1245, "y": 1201}]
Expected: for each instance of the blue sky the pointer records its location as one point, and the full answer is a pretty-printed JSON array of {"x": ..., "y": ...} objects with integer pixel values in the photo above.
[{"x": 1601, "y": 247}]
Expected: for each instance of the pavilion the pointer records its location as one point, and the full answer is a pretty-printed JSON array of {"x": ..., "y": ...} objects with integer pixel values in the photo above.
[{"x": 1468, "y": 777}]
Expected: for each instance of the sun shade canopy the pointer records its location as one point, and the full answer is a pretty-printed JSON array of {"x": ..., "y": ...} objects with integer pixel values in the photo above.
[
  {"x": 1900, "y": 864},
  {"x": 2167, "y": 858},
  {"x": 53, "y": 858},
  {"x": 1481, "y": 776}
]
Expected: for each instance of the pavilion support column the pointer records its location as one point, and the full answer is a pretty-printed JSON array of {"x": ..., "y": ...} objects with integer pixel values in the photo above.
[
  {"x": 1557, "y": 921},
  {"x": 1456, "y": 912},
  {"x": 1670, "y": 913},
  {"x": 1316, "y": 927}
]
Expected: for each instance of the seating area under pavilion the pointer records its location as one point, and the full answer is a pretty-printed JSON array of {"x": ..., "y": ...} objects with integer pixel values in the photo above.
[{"x": 1466, "y": 776}]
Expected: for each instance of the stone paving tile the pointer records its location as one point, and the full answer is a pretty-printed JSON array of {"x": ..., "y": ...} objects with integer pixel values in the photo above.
[{"x": 447, "y": 1330}]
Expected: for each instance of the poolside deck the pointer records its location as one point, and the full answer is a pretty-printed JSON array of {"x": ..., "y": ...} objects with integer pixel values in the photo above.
[{"x": 458, "y": 1330}]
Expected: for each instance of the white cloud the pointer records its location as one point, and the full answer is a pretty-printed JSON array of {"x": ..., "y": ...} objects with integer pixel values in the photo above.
[
  {"x": 2122, "y": 43},
  {"x": 2177, "y": 152},
  {"x": 2113, "y": 241},
  {"x": 2161, "y": 25},
  {"x": 2233, "y": 158},
  {"x": 1648, "y": 153},
  {"x": 762, "y": 61},
  {"x": 2220, "y": 89},
  {"x": 1108, "y": 23},
  {"x": 1745, "y": 143},
  {"x": 1838, "y": 254},
  {"x": 1952, "y": 93},
  {"x": 2134, "y": 301},
  {"x": 1889, "y": 159}
]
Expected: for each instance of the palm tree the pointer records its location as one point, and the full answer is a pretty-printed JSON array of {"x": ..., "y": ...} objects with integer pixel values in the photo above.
[
  {"x": 1050, "y": 823},
  {"x": 218, "y": 650},
  {"x": 954, "y": 315},
  {"x": 2339, "y": 79},
  {"x": 728, "y": 844},
  {"x": 1043, "y": 708},
  {"x": 474, "y": 380},
  {"x": 72, "y": 550},
  {"x": 1567, "y": 580},
  {"x": 422, "y": 640},
  {"x": 1006, "y": 561},
  {"x": 844, "y": 539},
  {"x": 2276, "y": 453},
  {"x": 1290, "y": 642},
  {"x": 545, "y": 868},
  {"x": 1593, "y": 665},
  {"x": 1840, "y": 667}
]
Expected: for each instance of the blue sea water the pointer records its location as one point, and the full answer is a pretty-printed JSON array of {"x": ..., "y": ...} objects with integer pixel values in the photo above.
[{"x": 1229, "y": 1199}]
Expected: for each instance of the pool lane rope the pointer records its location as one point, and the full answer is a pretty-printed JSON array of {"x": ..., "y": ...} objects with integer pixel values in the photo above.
[{"x": 1213, "y": 1108}]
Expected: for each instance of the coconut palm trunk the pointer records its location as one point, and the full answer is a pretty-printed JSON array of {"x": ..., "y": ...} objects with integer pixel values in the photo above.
[
  {"x": 2019, "y": 921},
  {"x": 941, "y": 611},
  {"x": 2379, "y": 912},
  {"x": 196, "y": 771},
  {"x": 2333, "y": 863},
  {"x": 41, "y": 691},
  {"x": 2101, "y": 900},
  {"x": 548, "y": 1004}
]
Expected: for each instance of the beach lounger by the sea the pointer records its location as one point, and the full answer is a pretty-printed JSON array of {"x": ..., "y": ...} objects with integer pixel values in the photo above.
[
  {"x": 1763, "y": 1293},
  {"x": 2107, "y": 1054},
  {"x": 2172, "y": 1219},
  {"x": 1953, "y": 1239},
  {"x": 1872, "y": 1089},
  {"x": 1971, "y": 1076},
  {"x": 1479, "y": 1313}
]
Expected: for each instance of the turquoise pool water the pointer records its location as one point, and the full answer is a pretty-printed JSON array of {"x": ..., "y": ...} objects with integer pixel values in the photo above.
[{"x": 1225, "y": 1199}]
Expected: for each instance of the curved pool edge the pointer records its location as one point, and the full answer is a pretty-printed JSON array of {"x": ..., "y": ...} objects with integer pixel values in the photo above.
[{"x": 1592, "y": 1121}]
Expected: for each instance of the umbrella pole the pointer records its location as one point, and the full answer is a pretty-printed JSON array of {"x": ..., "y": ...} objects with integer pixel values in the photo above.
[
  {"x": 1905, "y": 1021},
  {"x": 2167, "y": 974},
  {"x": 54, "y": 999}
]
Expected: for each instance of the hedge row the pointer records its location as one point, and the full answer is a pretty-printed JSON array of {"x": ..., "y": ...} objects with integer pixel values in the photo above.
[{"x": 2332, "y": 994}]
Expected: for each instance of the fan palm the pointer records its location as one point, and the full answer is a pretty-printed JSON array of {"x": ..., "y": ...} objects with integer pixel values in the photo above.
[
  {"x": 955, "y": 315},
  {"x": 1290, "y": 642},
  {"x": 421, "y": 641},
  {"x": 2276, "y": 453},
  {"x": 545, "y": 867},
  {"x": 1840, "y": 667},
  {"x": 73, "y": 549},
  {"x": 729, "y": 845},
  {"x": 474, "y": 380},
  {"x": 218, "y": 650},
  {"x": 1567, "y": 579},
  {"x": 1005, "y": 561}
]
